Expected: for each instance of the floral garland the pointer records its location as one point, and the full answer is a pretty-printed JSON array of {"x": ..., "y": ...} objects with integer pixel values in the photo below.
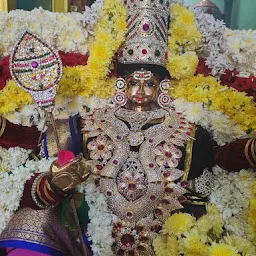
[
  {"x": 12, "y": 185},
  {"x": 240, "y": 108},
  {"x": 242, "y": 50},
  {"x": 226, "y": 49},
  {"x": 64, "y": 32},
  {"x": 231, "y": 194},
  {"x": 183, "y": 39},
  {"x": 100, "y": 226},
  {"x": 183, "y": 235},
  {"x": 214, "y": 46},
  {"x": 109, "y": 35},
  {"x": 12, "y": 158},
  {"x": 217, "y": 124}
]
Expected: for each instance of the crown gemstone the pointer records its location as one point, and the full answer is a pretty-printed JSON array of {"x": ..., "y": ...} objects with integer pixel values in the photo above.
[
  {"x": 34, "y": 64},
  {"x": 146, "y": 27},
  {"x": 144, "y": 51}
]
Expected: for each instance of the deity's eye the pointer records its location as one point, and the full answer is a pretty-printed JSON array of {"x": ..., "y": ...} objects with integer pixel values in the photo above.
[
  {"x": 132, "y": 83},
  {"x": 150, "y": 84}
]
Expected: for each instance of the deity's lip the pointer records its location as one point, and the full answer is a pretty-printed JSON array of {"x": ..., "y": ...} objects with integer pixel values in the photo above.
[{"x": 140, "y": 98}]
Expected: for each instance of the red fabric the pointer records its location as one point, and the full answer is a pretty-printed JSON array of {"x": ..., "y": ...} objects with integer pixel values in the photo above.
[
  {"x": 73, "y": 59},
  {"x": 241, "y": 84},
  {"x": 202, "y": 68},
  {"x": 16, "y": 135},
  {"x": 64, "y": 157},
  {"x": 27, "y": 200},
  {"x": 231, "y": 157}
]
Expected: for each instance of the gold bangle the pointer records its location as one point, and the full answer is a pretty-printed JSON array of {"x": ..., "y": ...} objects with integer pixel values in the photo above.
[
  {"x": 39, "y": 194},
  {"x": 253, "y": 150},
  {"x": 2, "y": 125},
  {"x": 46, "y": 192},
  {"x": 246, "y": 152}
]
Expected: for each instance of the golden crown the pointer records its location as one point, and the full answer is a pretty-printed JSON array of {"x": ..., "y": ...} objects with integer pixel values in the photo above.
[{"x": 147, "y": 32}]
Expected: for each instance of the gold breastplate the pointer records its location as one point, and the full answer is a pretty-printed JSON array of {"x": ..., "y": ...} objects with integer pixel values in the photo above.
[{"x": 137, "y": 169}]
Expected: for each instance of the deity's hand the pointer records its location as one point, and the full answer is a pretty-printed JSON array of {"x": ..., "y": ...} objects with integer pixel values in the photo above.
[{"x": 68, "y": 176}]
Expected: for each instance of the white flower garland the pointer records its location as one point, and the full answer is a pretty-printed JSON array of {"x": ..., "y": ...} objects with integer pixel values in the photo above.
[
  {"x": 92, "y": 15},
  {"x": 100, "y": 226},
  {"x": 218, "y": 125},
  {"x": 12, "y": 186},
  {"x": 28, "y": 116},
  {"x": 242, "y": 50},
  {"x": 231, "y": 194},
  {"x": 214, "y": 47},
  {"x": 12, "y": 158}
]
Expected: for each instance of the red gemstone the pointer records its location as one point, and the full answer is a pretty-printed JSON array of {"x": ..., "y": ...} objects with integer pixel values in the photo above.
[
  {"x": 118, "y": 225},
  {"x": 166, "y": 174},
  {"x": 155, "y": 228},
  {"x": 115, "y": 162},
  {"x": 99, "y": 167},
  {"x": 118, "y": 137},
  {"x": 158, "y": 211},
  {"x": 139, "y": 229},
  {"x": 168, "y": 154},
  {"x": 127, "y": 240},
  {"x": 184, "y": 184},
  {"x": 145, "y": 27},
  {"x": 132, "y": 186},
  {"x": 151, "y": 165},
  {"x": 100, "y": 147},
  {"x": 182, "y": 199},
  {"x": 108, "y": 193},
  {"x": 166, "y": 55},
  {"x": 144, "y": 51},
  {"x": 150, "y": 140},
  {"x": 153, "y": 198},
  {"x": 129, "y": 214}
]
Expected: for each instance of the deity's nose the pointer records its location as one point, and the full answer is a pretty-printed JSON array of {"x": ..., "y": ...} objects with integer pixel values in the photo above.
[{"x": 141, "y": 88}]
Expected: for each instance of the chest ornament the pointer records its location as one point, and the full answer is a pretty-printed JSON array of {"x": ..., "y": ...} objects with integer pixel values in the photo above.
[{"x": 139, "y": 173}]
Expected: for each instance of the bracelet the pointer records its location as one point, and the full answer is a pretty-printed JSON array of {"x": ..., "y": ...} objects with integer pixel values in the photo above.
[
  {"x": 253, "y": 150},
  {"x": 34, "y": 190},
  {"x": 2, "y": 125},
  {"x": 46, "y": 188},
  {"x": 246, "y": 152}
]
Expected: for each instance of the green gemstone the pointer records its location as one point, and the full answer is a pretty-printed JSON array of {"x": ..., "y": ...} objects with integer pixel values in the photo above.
[
  {"x": 161, "y": 1},
  {"x": 157, "y": 53}
]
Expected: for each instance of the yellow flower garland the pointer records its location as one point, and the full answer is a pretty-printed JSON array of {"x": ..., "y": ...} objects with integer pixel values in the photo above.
[
  {"x": 183, "y": 39},
  {"x": 240, "y": 108},
  {"x": 197, "y": 237}
]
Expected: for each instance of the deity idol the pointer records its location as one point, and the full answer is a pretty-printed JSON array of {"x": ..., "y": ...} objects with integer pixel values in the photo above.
[{"x": 145, "y": 157}]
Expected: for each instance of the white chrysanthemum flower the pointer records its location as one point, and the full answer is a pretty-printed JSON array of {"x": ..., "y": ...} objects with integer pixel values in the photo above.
[{"x": 231, "y": 194}]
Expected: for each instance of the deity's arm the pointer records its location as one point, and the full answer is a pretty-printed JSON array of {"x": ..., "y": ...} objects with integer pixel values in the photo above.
[{"x": 237, "y": 155}]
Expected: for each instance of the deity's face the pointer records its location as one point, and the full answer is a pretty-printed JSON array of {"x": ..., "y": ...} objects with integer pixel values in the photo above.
[{"x": 142, "y": 88}]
